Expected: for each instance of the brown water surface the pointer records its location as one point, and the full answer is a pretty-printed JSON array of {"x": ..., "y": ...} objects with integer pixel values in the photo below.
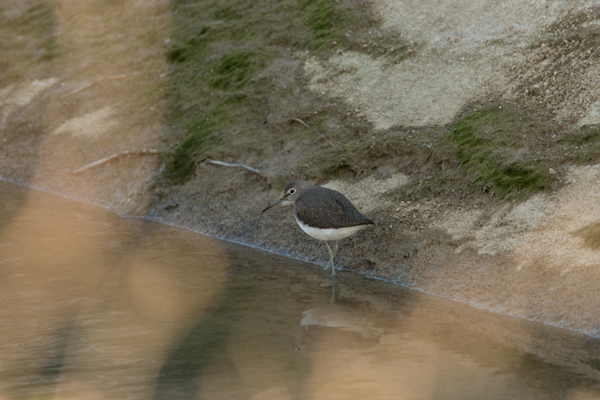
[{"x": 98, "y": 306}]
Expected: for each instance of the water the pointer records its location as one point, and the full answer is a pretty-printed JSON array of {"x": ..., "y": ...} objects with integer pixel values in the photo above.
[{"x": 95, "y": 306}]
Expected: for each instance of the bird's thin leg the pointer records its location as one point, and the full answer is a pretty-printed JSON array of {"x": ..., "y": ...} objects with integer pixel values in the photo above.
[
  {"x": 335, "y": 249},
  {"x": 331, "y": 255},
  {"x": 332, "y": 298}
]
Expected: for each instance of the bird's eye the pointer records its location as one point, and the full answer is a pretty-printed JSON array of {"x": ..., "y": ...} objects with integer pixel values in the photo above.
[{"x": 292, "y": 191}]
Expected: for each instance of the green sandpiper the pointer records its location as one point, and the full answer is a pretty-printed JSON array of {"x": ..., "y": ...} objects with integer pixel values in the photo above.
[{"x": 323, "y": 214}]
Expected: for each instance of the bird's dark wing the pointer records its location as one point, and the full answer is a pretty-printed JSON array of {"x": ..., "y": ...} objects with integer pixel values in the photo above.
[{"x": 325, "y": 208}]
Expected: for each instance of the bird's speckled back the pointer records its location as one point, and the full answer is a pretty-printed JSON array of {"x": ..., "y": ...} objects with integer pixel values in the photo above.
[{"x": 327, "y": 209}]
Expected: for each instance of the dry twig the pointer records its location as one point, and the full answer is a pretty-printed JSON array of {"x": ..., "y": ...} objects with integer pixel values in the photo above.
[
  {"x": 113, "y": 157},
  {"x": 110, "y": 78},
  {"x": 312, "y": 129},
  {"x": 149, "y": 152},
  {"x": 224, "y": 164}
]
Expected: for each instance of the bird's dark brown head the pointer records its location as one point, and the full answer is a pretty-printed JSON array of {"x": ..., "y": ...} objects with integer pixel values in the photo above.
[{"x": 292, "y": 192}]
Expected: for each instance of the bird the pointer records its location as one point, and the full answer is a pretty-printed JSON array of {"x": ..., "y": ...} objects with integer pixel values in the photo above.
[{"x": 323, "y": 214}]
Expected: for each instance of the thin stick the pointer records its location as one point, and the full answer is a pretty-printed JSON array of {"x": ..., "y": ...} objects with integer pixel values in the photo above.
[
  {"x": 114, "y": 156},
  {"x": 224, "y": 164},
  {"x": 314, "y": 130},
  {"x": 110, "y": 78}
]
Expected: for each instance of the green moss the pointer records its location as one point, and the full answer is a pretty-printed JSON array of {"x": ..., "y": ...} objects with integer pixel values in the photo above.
[
  {"x": 584, "y": 145},
  {"x": 182, "y": 163},
  {"x": 221, "y": 52},
  {"x": 51, "y": 51},
  {"x": 324, "y": 22},
  {"x": 493, "y": 148},
  {"x": 334, "y": 26},
  {"x": 591, "y": 236},
  {"x": 583, "y": 138},
  {"x": 236, "y": 68},
  {"x": 33, "y": 26}
]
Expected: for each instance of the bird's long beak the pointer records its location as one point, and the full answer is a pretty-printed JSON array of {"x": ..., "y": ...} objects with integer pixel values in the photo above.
[{"x": 274, "y": 204}]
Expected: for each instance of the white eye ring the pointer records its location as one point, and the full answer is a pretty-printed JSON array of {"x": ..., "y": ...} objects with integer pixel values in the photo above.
[{"x": 292, "y": 191}]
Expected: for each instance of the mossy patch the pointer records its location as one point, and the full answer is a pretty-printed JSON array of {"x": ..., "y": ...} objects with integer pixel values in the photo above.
[
  {"x": 351, "y": 26},
  {"x": 181, "y": 165},
  {"x": 498, "y": 151},
  {"x": 493, "y": 146},
  {"x": 235, "y": 69},
  {"x": 584, "y": 145},
  {"x": 28, "y": 38},
  {"x": 222, "y": 55},
  {"x": 590, "y": 235}
]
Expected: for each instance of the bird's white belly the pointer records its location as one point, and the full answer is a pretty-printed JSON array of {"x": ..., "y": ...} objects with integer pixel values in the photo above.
[{"x": 329, "y": 234}]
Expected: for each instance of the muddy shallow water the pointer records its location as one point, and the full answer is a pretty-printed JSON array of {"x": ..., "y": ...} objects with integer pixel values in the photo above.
[{"x": 96, "y": 305}]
